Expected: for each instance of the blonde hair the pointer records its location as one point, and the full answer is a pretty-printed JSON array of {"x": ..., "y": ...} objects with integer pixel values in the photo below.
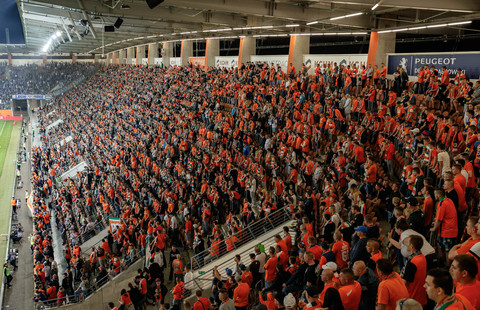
[{"x": 408, "y": 304}]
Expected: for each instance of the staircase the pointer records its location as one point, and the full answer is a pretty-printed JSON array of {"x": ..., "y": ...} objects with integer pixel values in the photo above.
[{"x": 261, "y": 232}]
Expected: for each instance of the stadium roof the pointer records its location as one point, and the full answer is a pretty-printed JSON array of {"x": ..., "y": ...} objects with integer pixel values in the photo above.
[{"x": 79, "y": 24}]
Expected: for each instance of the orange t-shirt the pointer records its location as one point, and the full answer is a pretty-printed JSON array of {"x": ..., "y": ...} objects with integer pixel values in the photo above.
[
  {"x": 391, "y": 290},
  {"x": 271, "y": 268},
  {"x": 240, "y": 295},
  {"x": 447, "y": 213},
  {"x": 351, "y": 295}
]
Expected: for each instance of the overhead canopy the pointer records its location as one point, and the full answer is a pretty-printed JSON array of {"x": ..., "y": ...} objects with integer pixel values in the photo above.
[{"x": 81, "y": 22}]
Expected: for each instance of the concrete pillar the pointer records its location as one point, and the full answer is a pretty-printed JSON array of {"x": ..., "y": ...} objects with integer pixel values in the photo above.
[
  {"x": 116, "y": 58},
  {"x": 152, "y": 53},
  {"x": 248, "y": 46},
  {"x": 299, "y": 46},
  {"x": 167, "y": 53},
  {"x": 123, "y": 56},
  {"x": 130, "y": 55},
  {"x": 385, "y": 44},
  {"x": 212, "y": 50},
  {"x": 140, "y": 54},
  {"x": 186, "y": 52}
]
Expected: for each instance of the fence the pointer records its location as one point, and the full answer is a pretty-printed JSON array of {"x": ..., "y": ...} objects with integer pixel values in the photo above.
[{"x": 244, "y": 236}]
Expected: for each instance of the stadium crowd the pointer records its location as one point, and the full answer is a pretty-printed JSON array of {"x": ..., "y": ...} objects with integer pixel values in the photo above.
[
  {"x": 181, "y": 155},
  {"x": 34, "y": 79}
]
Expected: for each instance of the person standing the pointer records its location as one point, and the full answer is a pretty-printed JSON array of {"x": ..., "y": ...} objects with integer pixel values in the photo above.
[
  {"x": 415, "y": 270},
  {"x": 439, "y": 287},
  {"x": 7, "y": 274},
  {"x": 391, "y": 288}
]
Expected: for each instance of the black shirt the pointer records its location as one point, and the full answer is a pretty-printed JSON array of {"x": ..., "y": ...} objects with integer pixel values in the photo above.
[
  {"x": 416, "y": 221},
  {"x": 453, "y": 196}
]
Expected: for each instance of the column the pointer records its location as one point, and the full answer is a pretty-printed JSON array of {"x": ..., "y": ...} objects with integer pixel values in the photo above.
[
  {"x": 212, "y": 50},
  {"x": 248, "y": 46},
  {"x": 186, "y": 51},
  {"x": 380, "y": 45},
  {"x": 73, "y": 58},
  {"x": 123, "y": 56},
  {"x": 167, "y": 53},
  {"x": 130, "y": 55},
  {"x": 116, "y": 58},
  {"x": 299, "y": 46},
  {"x": 152, "y": 53},
  {"x": 140, "y": 54}
]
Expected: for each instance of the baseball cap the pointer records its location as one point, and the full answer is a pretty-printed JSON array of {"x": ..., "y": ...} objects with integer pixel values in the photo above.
[
  {"x": 415, "y": 130},
  {"x": 362, "y": 229},
  {"x": 289, "y": 301},
  {"x": 228, "y": 271},
  {"x": 330, "y": 265}
]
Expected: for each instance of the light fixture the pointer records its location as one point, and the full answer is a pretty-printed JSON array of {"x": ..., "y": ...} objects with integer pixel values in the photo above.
[
  {"x": 460, "y": 23},
  {"x": 374, "y": 7},
  {"x": 346, "y": 16},
  {"x": 312, "y": 23},
  {"x": 384, "y": 31},
  {"x": 292, "y": 25},
  {"x": 417, "y": 28},
  {"x": 397, "y": 30},
  {"x": 436, "y": 26}
]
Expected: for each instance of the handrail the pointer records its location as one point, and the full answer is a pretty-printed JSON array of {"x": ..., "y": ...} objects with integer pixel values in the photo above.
[
  {"x": 94, "y": 287},
  {"x": 244, "y": 236}
]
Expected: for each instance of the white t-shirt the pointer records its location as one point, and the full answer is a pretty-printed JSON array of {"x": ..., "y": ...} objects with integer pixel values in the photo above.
[
  {"x": 426, "y": 248},
  {"x": 445, "y": 159},
  {"x": 261, "y": 258}
]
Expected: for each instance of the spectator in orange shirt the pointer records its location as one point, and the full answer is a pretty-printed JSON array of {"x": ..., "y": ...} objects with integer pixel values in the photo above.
[
  {"x": 391, "y": 288},
  {"x": 464, "y": 269},
  {"x": 240, "y": 294},
  {"x": 439, "y": 287},
  {"x": 270, "y": 267},
  {"x": 350, "y": 291}
]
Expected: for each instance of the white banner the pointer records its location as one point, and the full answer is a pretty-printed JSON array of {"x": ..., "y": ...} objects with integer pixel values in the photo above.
[
  {"x": 226, "y": 61},
  {"x": 157, "y": 61},
  {"x": 175, "y": 61},
  {"x": 281, "y": 60},
  {"x": 144, "y": 61},
  {"x": 134, "y": 61},
  {"x": 312, "y": 60}
]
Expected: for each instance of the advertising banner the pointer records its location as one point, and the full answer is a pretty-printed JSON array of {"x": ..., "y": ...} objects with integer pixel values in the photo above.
[
  {"x": 226, "y": 61},
  {"x": 468, "y": 62},
  {"x": 114, "y": 223},
  {"x": 10, "y": 118},
  {"x": 319, "y": 59},
  {"x": 157, "y": 61},
  {"x": 175, "y": 61},
  {"x": 197, "y": 61},
  {"x": 31, "y": 97},
  {"x": 281, "y": 60},
  {"x": 134, "y": 61},
  {"x": 145, "y": 61}
]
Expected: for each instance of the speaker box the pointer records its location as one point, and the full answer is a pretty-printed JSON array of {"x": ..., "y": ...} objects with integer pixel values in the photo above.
[
  {"x": 118, "y": 23},
  {"x": 109, "y": 29},
  {"x": 153, "y": 3}
]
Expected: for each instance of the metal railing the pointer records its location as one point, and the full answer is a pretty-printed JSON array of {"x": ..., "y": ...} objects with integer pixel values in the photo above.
[{"x": 242, "y": 237}]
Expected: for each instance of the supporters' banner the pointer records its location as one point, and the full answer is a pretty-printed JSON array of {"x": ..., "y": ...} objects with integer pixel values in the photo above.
[
  {"x": 10, "y": 118},
  {"x": 226, "y": 61},
  {"x": 30, "y": 202},
  {"x": 33, "y": 97},
  {"x": 314, "y": 60},
  {"x": 175, "y": 61},
  {"x": 114, "y": 223},
  {"x": 281, "y": 60},
  {"x": 145, "y": 61},
  {"x": 197, "y": 61},
  {"x": 157, "y": 61},
  {"x": 468, "y": 62},
  {"x": 134, "y": 61}
]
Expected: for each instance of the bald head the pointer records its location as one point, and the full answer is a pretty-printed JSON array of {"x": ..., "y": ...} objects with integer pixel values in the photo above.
[
  {"x": 359, "y": 268},
  {"x": 327, "y": 275}
]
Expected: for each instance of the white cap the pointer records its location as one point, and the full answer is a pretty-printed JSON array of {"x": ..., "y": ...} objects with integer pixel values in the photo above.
[
  {"x": 331, "y": 266},
  {"x": 289, "y": 301}
]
